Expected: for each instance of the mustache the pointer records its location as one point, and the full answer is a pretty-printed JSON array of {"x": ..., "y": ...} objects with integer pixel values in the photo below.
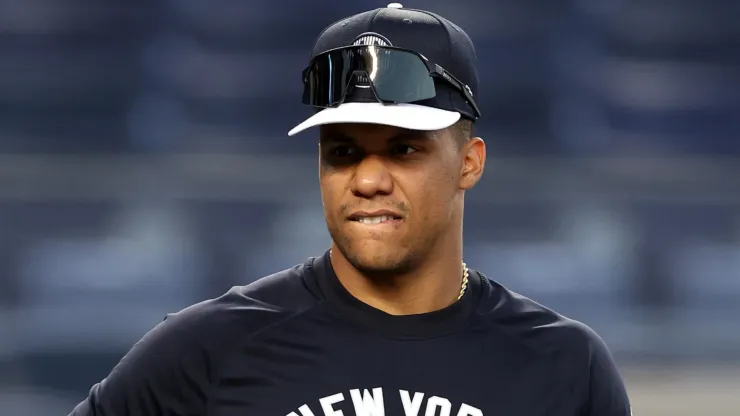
[{"x": 400, "y": 207}]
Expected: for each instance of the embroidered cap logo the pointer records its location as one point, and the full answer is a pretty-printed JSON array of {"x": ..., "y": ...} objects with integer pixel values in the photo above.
[{"x": 369, "y": 38}]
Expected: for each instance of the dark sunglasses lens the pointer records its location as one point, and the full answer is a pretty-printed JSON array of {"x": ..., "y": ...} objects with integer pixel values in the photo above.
[
  {"x": 327, "y": 79},
  {"x": 397, "y": 76},
  {"x": 401, "y": 77}
]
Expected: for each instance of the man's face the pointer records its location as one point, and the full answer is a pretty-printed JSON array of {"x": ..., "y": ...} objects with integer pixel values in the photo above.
[{"x": 391, "y": 194}]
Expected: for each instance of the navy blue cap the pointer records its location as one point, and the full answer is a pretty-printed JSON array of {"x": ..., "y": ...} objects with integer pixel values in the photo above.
[{"x": 439, "y": 40}]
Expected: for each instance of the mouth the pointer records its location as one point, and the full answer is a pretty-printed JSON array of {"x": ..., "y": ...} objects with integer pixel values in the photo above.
[{"x": 376, "y": 218}]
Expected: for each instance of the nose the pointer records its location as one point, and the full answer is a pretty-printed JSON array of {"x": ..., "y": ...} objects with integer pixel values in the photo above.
[{"x": 372, "y": 178}]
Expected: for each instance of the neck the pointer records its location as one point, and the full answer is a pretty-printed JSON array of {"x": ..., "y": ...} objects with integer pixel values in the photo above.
[{"x": 432, "y": 285}]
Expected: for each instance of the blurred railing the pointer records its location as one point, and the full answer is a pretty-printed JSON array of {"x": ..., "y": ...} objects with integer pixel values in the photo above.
[{"x": 288, "y": 179}]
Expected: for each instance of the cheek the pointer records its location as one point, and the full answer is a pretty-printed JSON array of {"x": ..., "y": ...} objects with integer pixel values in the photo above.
[
  {"x": 329, "y": 196},
  {"x": 432, "y": 194}
]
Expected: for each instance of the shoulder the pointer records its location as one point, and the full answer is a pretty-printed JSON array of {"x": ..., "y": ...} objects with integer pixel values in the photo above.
[
  {"x": 576, "y": 353},
  {"x": 537, "y": 326},
  {"x": 176, "y": 364},
  {"x": 250, "y": 308}
]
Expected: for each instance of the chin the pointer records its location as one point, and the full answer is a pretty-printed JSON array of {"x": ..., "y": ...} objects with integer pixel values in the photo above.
[
  {"x": 378, "y": 268},
  {"x": 378, "y": 260},
  {"x": 372, "y": 253}
]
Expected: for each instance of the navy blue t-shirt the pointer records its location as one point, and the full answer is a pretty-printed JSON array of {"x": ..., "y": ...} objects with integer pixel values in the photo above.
[{"x": 298, "y": 344}]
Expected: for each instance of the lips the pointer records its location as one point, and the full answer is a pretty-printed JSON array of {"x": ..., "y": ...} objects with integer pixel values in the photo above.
[
  {"x": 375, "y": 220},
  {"x": 375, "y": 217}
]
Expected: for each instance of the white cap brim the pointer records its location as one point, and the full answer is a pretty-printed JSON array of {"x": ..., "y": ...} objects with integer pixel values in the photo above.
[{"x": 407, "y": 116}]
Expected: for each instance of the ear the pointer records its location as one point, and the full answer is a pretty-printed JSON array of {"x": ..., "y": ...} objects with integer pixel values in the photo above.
[{"x": 474, "y": 161}]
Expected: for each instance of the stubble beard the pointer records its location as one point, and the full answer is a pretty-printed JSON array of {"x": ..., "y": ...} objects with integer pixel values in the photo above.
[{"x": 390, "y": 262}]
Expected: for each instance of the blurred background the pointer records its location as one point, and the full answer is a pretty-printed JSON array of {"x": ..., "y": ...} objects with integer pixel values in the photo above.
[{"x": 145, "y": 166}]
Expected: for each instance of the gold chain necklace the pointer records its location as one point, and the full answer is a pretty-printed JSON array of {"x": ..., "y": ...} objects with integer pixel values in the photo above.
[{"x": 463, "y": 286}]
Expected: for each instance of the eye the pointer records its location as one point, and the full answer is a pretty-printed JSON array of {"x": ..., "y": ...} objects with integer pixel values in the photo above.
[
  {"x": 403, "y": 149},
  {"x": 342, "y": 151}
]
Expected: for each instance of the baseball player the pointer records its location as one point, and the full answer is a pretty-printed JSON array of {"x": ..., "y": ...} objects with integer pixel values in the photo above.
[{"x": 389, "y": 320}]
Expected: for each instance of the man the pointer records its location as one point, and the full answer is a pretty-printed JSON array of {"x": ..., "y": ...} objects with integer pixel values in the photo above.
[{"x": 389, "y": 321}]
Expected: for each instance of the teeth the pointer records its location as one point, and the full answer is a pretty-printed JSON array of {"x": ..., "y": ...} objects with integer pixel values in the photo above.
[{"x": 375, "y": 220}]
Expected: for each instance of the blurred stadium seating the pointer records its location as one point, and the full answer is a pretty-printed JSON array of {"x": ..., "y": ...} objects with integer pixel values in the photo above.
[{"x": 145, "y": 165}]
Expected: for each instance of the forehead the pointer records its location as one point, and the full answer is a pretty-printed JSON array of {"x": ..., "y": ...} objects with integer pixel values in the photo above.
[{"x": 359, "y": 132}]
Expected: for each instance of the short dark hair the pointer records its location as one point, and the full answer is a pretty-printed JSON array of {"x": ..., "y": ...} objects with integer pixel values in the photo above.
[{"x": 462, "y": 131}]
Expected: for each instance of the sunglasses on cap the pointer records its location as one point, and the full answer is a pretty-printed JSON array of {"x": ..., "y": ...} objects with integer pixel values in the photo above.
[{"x": 394, "y": 75}]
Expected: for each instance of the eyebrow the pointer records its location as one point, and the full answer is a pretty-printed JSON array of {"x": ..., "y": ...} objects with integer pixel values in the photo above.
[
  {"x": 411, "y": 135},
  {"x": 335, "y": 138}
]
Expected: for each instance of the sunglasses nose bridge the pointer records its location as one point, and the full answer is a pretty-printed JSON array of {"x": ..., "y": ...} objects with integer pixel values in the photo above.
[
  {"x": 359, "y": 86},
  {"x": 360, "y": 77}
]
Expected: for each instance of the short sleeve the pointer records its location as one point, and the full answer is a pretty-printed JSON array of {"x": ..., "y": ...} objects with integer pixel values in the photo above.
[
  {"x": 607, "y": 392},
  {"x": 166, "y": 372}
]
